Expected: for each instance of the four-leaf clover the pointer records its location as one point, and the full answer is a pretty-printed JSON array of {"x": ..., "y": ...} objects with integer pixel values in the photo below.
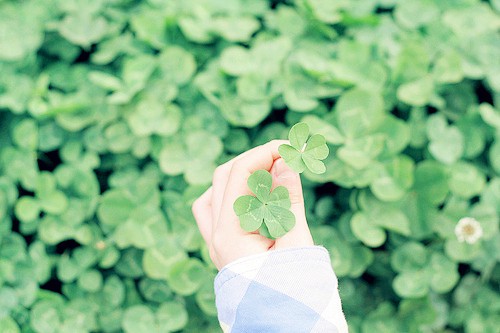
[
  {"x": 305, "y": 151},
  {"x": 268, "y": 211}
]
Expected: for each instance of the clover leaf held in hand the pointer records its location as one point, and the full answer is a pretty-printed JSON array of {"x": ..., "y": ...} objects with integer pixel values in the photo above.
[
  {"x": 304, "y": 151},
  {"x": 268, "y": 211}
]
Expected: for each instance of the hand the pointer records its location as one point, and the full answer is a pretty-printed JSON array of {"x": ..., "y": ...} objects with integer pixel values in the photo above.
[{"x": 219, "y": 225}]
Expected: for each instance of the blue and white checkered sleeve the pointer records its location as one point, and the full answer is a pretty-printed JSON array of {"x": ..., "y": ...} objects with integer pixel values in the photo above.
[{"x": 289, "y": 290}]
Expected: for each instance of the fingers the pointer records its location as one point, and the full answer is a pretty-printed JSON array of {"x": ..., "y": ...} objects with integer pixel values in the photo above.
[
  {"x": 284, "y": 176},
  {"x": 261, "y": 157},
  {"x": 202, "y": 211},
  {"x": 215, "y": 216},
  {"x": 219, "y": 183},
  {"x": 300, "y": 234},
  {"x": 221, "y": 177}
]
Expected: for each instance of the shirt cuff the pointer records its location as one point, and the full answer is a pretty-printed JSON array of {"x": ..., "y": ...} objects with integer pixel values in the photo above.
[{"x": 286, "y": 290}]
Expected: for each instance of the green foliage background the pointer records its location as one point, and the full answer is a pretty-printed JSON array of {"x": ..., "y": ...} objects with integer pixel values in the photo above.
[{"x": 114, "y": 113}]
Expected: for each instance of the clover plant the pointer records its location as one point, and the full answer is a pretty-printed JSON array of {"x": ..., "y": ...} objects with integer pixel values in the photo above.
[
  {"x": 304, "y": 151},
  {"x": 268, "y": 211}
]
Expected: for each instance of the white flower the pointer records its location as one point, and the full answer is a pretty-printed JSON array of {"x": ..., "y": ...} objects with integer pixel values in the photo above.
[{"x": 468, "y": 230}]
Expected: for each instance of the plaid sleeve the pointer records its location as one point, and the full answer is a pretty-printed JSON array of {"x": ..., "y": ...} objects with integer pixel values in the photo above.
[{"x": 289, "y": 290}]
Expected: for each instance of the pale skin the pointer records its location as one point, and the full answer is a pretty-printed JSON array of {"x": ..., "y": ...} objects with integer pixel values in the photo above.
[{"x": 218, "y": 222}]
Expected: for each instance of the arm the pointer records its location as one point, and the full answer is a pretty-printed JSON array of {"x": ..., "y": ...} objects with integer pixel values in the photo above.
[{"x": 282, "y": 285}]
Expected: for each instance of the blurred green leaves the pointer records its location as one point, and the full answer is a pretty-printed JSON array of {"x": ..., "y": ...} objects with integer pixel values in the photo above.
[
  {"x": 22, "y": 32},
  {"x": 358, "y": 112},
  {"x": 190, "y": 158},
  {"x": 151, "y": 117},
  {"x": 446, "y": 142},
  {"x": 419, "y": 271},
  {"x": 169, "y": 317},
  {"x": 114, "y": 115}
]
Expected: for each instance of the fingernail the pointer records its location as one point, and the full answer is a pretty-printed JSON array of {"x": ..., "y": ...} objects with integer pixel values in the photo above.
[
  {"x": 282, "y": 171},
  {"x": 287, "y": 175}
]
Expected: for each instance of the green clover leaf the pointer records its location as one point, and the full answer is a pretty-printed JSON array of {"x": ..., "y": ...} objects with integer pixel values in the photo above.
[
  {"x": 188, "y": 157},
  {"x": 9, "y": 325},
  {"x": 268, "y": 211},
  {"x": 48, "y": 198},
  {"x": 153, "y": 117},
  {"x": 83, "y": 29},
  {"x": 420, "y": 270},
  {"x": 169, "y": 317},
  {"x": 304, "y": 151},
  {"x": 185, "y": 277},
  {"x": 21, "y": 35},
  {"x": 446, "y": 141}
]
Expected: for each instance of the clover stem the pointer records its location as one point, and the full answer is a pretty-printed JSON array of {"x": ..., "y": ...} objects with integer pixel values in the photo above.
[{"x": 303, "y": 147}]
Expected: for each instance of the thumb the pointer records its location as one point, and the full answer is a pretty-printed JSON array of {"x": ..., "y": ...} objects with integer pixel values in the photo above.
[
  {"x": 284, "y": 176},
  {"x": 300, "y": 234}
]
